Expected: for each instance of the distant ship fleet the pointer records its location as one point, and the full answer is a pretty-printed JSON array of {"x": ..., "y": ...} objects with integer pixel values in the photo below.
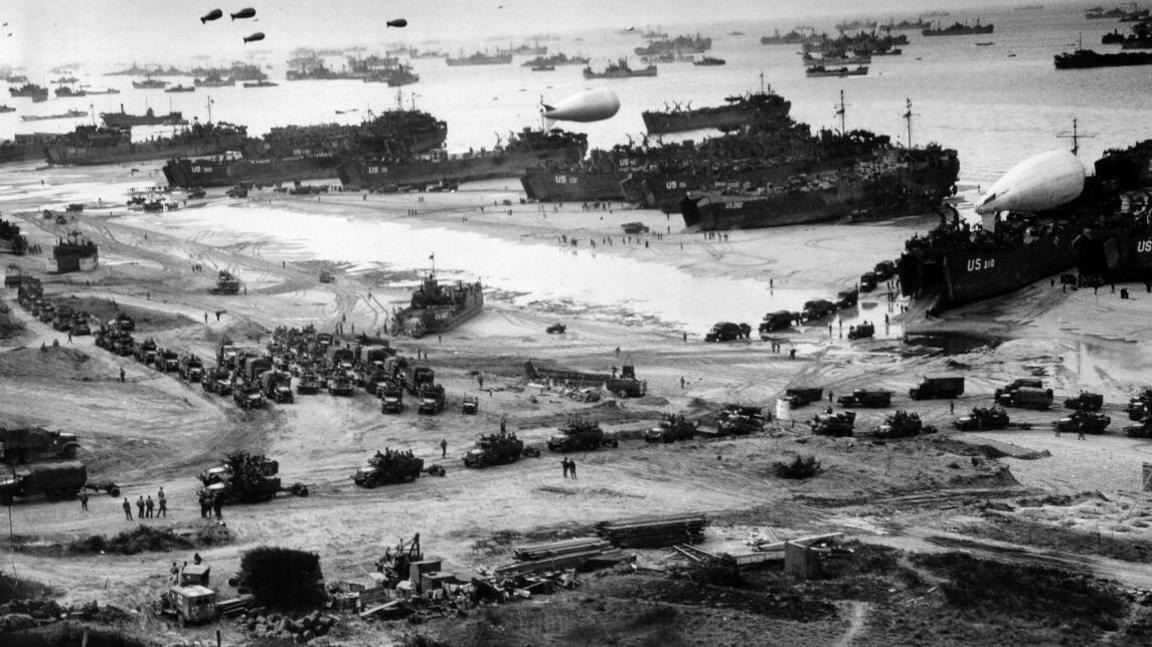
[{"x": 762, "y": 169}]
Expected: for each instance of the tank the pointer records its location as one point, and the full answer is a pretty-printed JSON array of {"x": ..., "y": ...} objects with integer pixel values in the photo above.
[
  {"x": 982, "y": 418},
  {"x": 902, "y": 424},
  {"x": 833, "y": 424},
  {"x": 670, "y": 429},
  {"x": 1085, "y": 422},
  {"x": 579, "y": 436}
]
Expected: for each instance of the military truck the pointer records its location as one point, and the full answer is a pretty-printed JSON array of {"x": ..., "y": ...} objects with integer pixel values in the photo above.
[
  {"x": 146, "y": 352},
  {"x": 816, "y": 309},
  {"x": 803, "y": 396},
  {"x": 80, "y": 326},
  {"x": 414, "y": 377},
  {"x": 774, "y": 321},
  {"x": 670, "y": 429},
  {"x": 389, "y": 467},
  {"x": 30, "y": 444},
  {"x": 1020, "y": 382},
  {"x": 865, "y": 330},
  {"x": 847, "y": 298},
  {"x": 391, "y": 397},
  {"x": 884, "y": 270},
  {"x": 1026, "y": 397},
  {"x": 168, "y": 361},
  {"x": 983, "y": 419},
  {"x": 56, "y": 481},
  {"x": 868, "y": 281},
  {"x": 738, "y": 420},
  {"x": 579, "y": 435},
  {"x": 123, "y": 322},
  {"x": 308, "y": 384},
  {"x": 226, "y": 283},
  {"x": 188, "y": 604},
  {"x": 247, "y": 395},
  {"x": 246, "y": 478},
  {"x": 430, "y": 399},
  {"x": 277, "y": 386},
  {"x": 340, "y": 384},
  {"x": 1085, "y": 402},
  {"x": 902, "y": 424},
  {"x": 938, "y": 388},
  {"x": 62, "y": 317},
  {"x": 866, "y": 398},
  {"x": 1083, "y": 421},
  {"x": 494, "y": 449},
  {"x": 727, "y": 331},
  {"x": 191, "y": 368},
  {"x": 470, "y": 406},
  {"x": 837, "y": 424}
]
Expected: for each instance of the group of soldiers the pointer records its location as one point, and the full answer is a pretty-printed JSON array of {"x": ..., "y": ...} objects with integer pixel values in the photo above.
[
  {"x": 145, "y": 508},
  {"x": 389, "y": 455},
  {"x": 210, "y": 504}
]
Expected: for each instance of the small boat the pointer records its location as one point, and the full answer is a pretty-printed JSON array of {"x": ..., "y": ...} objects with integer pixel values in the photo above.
[
  {"x": 708, "y": 60},
  {"x": 71, "y": 114},
  {"x": 986, "y": 43},
  {"x": 181, "y": 88},
  {"x": 264, "y": 83},
  {"x": 543, "y": 68},
  {"x": 7, "y": 109}
]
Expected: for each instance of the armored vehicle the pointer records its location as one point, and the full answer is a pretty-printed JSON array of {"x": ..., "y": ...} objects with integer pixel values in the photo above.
[
  {"x": 938, "y": 387},
  {"x": 146, "y": 352},
  {"x": 816, "y": 309},
  {"x": 226, "y": 283},
  {"x": 246, "y": 478},
  {"x": 471, "y": 405},
  {"x": 1142, "y": 430},
  {"x": 431, "y": 399},
  {"x": 1083, "y": 421},
  {"x": 391, "y": 397},
  {"x": 494, "y": 449},
  {"x": 339, "y": 383},
  {"x": 867, "y": 398},
  {"x": 902, "y": 424},
  {"x": 388, "y": 467},
  {"x": 833, "y": 424},
  {"x": 1085, "y": 402},
  {"x": 168, "y": 361},
  {"x": 737, "y": 420},
  {"x": 580, "y": 435},
  {"x": 671, "y": 428},
  {"x": 556, "y": 329},
  {"x": 982, "y": 419}
]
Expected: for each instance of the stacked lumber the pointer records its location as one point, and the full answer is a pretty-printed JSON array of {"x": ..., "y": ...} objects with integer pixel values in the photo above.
[
  {"x": 654, "y": 531},
  {"x": 560, "y": 555}
]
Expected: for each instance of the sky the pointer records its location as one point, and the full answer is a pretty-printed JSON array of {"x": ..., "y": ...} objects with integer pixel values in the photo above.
[{"x": 53, "y": 32}]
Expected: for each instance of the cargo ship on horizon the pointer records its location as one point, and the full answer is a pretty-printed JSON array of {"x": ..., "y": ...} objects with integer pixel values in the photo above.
[
  {"x": 958, "y": 29},
  {"x": 513, "y": 158},
  {"x": 299, "y": 153},
  {"x": 149, "y": 118},
  {"x": 480, "y": 58}
]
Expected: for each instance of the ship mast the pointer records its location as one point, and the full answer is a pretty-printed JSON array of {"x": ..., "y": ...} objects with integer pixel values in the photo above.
[
  {"x": 840, "y": 112},
  {"x": 1076, "y": 136},
  {"x": 210, "y": 109},
  {"x": 908, "y": 114}
]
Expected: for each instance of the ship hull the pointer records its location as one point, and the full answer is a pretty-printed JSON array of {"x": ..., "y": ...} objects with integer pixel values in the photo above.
[
  {"x": 141, "y": 151},
  {"x": 207, "y": 173},
  {"x": 437, "y": 319},
  {"x": 1115, "y": 256},
  {"x": 722, "y": 118},
  {"x": 968, "y": 275},
  {"x": 385, "y": 176},
  {"x": 572, "y": 186}
]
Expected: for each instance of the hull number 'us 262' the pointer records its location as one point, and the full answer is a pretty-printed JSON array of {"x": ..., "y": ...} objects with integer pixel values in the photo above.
[
  {"x": 1143, "y": 246},
  {"x": 977, "y": 264},
  {"x": 734, "y": 205}
]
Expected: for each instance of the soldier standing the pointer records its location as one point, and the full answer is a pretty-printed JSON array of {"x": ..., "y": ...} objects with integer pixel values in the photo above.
[
  {"x": 84, "y": 502},
  {"x": 162, "y": 509},
  {"x": 127, "y": 509},
  {"x": 216, "y": 504},
  {"x": 149, "y": 506},
  {"x": 564, "y": 465},
  {"x": 443, "y": 447},
  {"x": 205, "y": 505},
  {"x": 121, "y": 373},
  {"x": 572, "y": 468},
  {"x": 140, "y": 507}
]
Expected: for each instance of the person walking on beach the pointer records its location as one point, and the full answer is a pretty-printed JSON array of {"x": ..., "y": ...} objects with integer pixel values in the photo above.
[
  {"x": 572, "y": 468},
  {"x": 443, "y": 448}
]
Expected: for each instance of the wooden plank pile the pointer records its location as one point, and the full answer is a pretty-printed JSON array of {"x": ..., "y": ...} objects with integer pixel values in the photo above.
[
  {"x": 559, "y": 555},
  {"x": 654, "y": 531}
]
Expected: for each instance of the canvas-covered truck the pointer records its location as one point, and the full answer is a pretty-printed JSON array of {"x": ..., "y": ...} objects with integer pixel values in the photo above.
[
  {"x": 1085, "y": 402},
  {"x": 938, "y": 388},
  {"x": 391, "y": 397},
  {"x": 775, "y": 321},
  {"x": 56, "y": 481},
  {"x": 29, "y": 444},
  {"x": 803, "y": 396},
  {"x": 430, "y": 399},
  {"x": 277, "y": 386},
  {"x": 579, "y": 435}
]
